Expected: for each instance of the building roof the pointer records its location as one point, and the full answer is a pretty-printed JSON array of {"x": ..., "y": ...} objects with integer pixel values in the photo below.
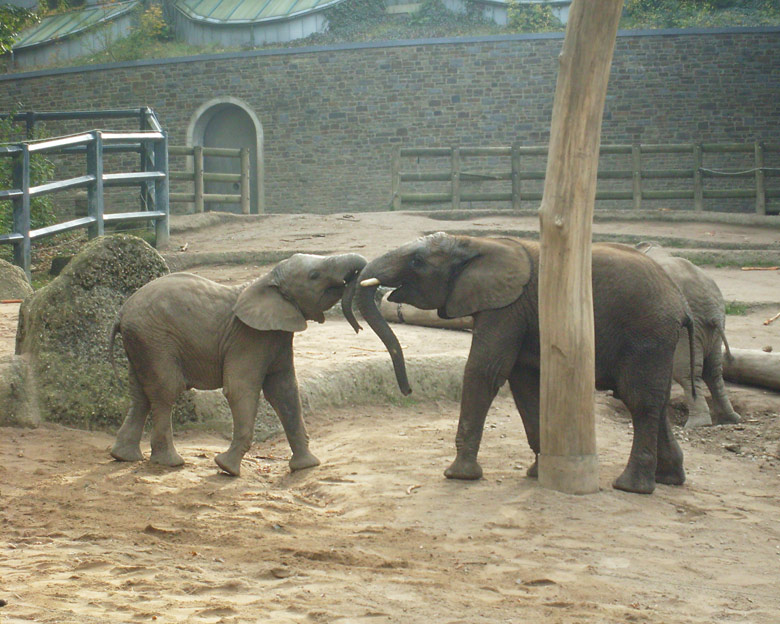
[
  {"x": 63, "y": 25},
  {"x": 248, "y": 11}
]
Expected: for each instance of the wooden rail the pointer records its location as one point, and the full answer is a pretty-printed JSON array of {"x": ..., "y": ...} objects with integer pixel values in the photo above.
[
  {"x": 198, "y": 176},
  {"x": 637, "y": 174},
  {"x": 151, "y": 143}
]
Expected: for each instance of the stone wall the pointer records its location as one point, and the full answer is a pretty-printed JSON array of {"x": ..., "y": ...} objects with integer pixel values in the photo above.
[{"x": 331, "y": 116}]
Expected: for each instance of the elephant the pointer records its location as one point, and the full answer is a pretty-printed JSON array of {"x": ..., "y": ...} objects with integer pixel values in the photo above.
[
  {"x": 638, "y": 314},
  {"x": 183, "y": 331},
  {"x": 709, "y": 320}
]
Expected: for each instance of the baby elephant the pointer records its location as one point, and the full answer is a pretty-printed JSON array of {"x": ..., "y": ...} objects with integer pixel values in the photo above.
[
  {"x": 182, "y": 331},
  {"x": 709, "y": 319}
]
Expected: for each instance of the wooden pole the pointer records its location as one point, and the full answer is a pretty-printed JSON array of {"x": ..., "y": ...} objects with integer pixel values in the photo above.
[
  {"x": 245, "y": 180},
  {"x": 197, "y": 152},
  {"x": 568, "y": 460}
]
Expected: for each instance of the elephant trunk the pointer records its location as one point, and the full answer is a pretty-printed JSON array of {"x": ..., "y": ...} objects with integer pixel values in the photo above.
[
  {"x": 366, "y": 303},
  {"x": 352, "y": 265}
]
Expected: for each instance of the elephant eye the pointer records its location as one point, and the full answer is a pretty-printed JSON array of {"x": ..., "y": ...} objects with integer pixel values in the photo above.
[
  {"x": 314, "y": 275},
  {"x": 417, "y": 262}
]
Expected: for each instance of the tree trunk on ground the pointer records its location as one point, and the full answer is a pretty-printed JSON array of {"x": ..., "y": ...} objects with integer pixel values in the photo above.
[
  {"x": 754, "y": 368},
  {"x": 568, "y": 460},
  {"x": 404, "y": 313}
]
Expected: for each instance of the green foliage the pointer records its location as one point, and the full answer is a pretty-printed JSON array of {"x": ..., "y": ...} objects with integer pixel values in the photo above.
[
  {"x": 12, "y": 20},
  {"x": 350, "y": 15},
  {"x": 735, "y": 308},
  {"x": 699, "y": 13},
  {"x": 531, "y": 18},
  {"x": 41, "y": 170}
]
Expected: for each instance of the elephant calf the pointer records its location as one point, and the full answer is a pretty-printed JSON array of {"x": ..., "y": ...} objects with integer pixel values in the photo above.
[
  {"x": 709, "y": 322},
  {"x": 182, "y": 331},
  {"x": 638, "y": 315}
]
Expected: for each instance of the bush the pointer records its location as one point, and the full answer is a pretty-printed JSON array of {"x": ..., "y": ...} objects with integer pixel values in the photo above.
[{"x": 531, "y": 18}]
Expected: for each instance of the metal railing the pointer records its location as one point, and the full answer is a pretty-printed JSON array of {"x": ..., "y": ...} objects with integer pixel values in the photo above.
[
  {"x": 151, "y": 144},
  {"x": 638, "y": 174}
]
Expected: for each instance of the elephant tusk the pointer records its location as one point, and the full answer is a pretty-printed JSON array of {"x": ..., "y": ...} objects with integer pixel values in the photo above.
[{"x": 372, "y": 281}]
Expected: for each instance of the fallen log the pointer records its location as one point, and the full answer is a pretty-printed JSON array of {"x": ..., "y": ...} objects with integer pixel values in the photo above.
[
  {"x": 752, "y": 367},
  {"x": 403, "y": 313}
]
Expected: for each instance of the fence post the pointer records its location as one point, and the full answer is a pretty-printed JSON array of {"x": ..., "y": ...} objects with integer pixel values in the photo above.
[
  {"x": 95, "y": 202},
  {"x": 21, "y": 206},
  {"x": 161, "y": 188},
  {"x": 197, "y": 152},
  {"x": 245, "y": 180},
  {"x": 515, "y": 177},
  {"x": 455, "y": 173},
  {"x": 636, "y": 175},
  {"x": 146, "y": 163},
  {"x": 396, "y": 178},
  {"x": 760, "y": 187},
  {"x": 698, "y": 187}
]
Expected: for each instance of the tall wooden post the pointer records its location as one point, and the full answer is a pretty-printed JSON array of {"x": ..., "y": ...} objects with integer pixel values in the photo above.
[{"x": 568, "y": 460}]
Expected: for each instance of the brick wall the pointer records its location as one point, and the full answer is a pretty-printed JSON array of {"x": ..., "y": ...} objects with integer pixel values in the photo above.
[{"x": 331, "y": 116}]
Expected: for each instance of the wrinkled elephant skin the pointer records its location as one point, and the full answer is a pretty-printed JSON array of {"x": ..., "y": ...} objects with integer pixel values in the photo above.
[
  {"x": 638, "y": 314},
  {"x": 182, "y": 331}
]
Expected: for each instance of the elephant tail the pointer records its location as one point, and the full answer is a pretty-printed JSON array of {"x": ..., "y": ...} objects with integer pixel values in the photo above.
[
  {"x": 722, "y": 333},
  {"x": 115, "y": 329},
  {"x": 688, "y": 324}
]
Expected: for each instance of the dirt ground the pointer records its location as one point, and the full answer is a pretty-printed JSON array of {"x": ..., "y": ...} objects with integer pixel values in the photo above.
[{"x": 376, "y": 533}]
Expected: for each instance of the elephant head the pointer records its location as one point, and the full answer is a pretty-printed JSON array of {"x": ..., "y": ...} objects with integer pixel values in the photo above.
[
  {"x": 456, "y": 275},
  {"x": 297, "y": 290}
]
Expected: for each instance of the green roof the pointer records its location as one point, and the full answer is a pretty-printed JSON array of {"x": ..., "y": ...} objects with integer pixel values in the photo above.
[
  {"x": 248, "y": 11},
  {"x": 62, "y": 25}
]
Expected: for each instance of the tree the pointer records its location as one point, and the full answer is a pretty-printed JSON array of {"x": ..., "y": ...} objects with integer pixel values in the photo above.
[{"x": 568, "y": 461}]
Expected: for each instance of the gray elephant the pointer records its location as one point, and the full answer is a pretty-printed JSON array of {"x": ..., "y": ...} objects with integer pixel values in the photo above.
[
  {"x": 638, "y": 317},
  {"x": 183, "y": 331},
  {"x": 709, "y": 321}
]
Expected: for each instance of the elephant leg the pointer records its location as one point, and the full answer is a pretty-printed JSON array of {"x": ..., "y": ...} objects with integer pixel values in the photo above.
[
  {"x": 491, "y": 359},
  {"x": 646, "y": 397},
  {"x": 127, "y": 446},
  {"x": 669, "y": 464},
  {"x": 242, "y": 399},
  {"x": 524, "y": 383},
  {"x": 281, "y": 390},
  {"x": 712, "y": 373},
  {"x": 698, "y": 411},
  {"x": 163, "y": 450}
]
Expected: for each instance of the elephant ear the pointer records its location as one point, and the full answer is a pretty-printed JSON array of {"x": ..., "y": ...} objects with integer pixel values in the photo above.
[
  {"x": 262, "y": 307},
  {"x": 493, "y": 278}
]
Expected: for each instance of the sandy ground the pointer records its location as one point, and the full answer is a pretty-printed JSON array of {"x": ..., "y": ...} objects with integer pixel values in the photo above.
[{"x": 376, "y": 533}]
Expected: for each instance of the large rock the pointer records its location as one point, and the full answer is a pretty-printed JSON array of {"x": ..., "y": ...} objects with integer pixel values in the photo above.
[
  {"x": 13, "y": 282},
  {"x": 18, "y": 404},
  {"x": 63, "y": 331}
]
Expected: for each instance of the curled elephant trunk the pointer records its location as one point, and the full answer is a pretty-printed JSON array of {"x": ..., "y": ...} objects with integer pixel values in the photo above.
[
  {"x": 366, "y": 303},
  {"x": 353, "y": 265}
]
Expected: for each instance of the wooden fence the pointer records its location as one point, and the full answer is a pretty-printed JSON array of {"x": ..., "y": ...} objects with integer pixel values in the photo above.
[
  {"x": 694, "y": 175},
  {"x": 152, "y": 178},
  {"x": 198, "y": 176}
]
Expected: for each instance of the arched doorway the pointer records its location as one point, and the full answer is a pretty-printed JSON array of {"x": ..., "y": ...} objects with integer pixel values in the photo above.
[{"x": 229, "y": 122}]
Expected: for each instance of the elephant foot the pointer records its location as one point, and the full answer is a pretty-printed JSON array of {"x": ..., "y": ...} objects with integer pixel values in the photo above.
[
  {"x": 229, "y": 462},
  {"x": 168, "y": 457},
  {"x": 728, "y": 418},
  {"x": 533, "y": 470},
  {"x": 302, "y": 460},
  {"x": 698, "y": 419},
  {"x": 673, "y": 475},
  {"x": 128, "y": 452},
  {"x": 467, "y": 469},
  {"x": 636, "y": 481}
]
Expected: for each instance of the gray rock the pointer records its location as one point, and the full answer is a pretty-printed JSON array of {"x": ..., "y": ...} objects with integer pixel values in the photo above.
[{"x": 13, "y": 282}]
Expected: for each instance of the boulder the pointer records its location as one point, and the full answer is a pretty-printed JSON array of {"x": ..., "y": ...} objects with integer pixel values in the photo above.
[
  {"x": 63, "y": 331},
  {"x": 13, "y": 282}
]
